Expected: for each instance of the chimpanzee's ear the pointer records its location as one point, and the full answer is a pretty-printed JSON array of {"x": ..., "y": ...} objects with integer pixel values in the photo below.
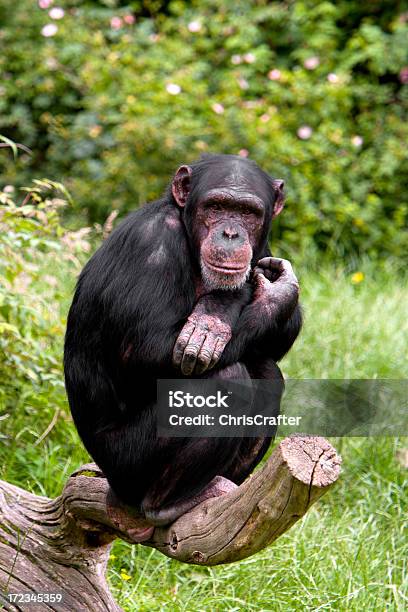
[
  {"x": 278, "y": 185},
  {"x": 180, "y": 187}
]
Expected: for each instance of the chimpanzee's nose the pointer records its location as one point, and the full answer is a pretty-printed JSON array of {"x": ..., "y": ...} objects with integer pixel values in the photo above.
[{"x": 230, "y": 233}]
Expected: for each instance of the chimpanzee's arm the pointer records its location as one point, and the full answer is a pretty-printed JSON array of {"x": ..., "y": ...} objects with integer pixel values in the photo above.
[
  {"x": 208, "y": 329},
  {"x": 222, "y": 333},
  {"x": 273, "y": 340},
  {"x": 270, "y": 324}
]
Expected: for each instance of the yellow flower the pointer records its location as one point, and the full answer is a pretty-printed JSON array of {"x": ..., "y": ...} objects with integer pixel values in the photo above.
[
  {"x": 357, "y": 278},
  {"x": 124, "y": 575},
  {"x": 112, "y": 557},
  {"x": 94, "y": 131}
]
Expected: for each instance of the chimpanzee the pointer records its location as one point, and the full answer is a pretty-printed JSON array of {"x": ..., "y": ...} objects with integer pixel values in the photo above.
[{"x": 185, "y": 286}]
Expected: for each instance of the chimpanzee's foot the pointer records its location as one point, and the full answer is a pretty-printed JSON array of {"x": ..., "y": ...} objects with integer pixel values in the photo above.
[
  {"x": 141, "y": 534},
  {"x": 127, "y": 519},
  {"x": 217, "y": 487}
]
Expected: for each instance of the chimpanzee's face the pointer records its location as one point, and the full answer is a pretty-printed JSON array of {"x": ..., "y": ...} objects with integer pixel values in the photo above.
[
  {"x": 230, "y": 212},
  {"x": 229, "y": 221}
]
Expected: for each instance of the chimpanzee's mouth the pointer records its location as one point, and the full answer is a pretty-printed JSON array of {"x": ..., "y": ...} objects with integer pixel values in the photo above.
[
  {"x": 232, "y": 270},
  {"x": 228, "y": 277}
]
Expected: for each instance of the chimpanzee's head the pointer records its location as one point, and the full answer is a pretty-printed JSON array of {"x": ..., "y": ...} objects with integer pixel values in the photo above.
[{"x": 228, "y": 203}]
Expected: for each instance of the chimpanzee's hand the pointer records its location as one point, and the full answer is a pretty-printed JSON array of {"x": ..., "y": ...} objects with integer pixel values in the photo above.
[
  {"x": 276, "y": 286},
  {"x": 200, "y": 343}
]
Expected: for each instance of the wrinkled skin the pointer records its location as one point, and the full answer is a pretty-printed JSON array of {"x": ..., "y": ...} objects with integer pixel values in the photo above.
[
  {"x": 204, "y": 337},
  {"x": 185, "y": 286},
  {"x": 229, "y": 219}
]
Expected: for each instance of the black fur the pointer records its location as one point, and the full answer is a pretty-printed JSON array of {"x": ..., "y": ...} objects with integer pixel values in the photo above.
[{"x": 131, "y": 302}]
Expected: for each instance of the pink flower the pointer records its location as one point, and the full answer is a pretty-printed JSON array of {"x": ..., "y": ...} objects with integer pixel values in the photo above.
[
  {"x": 218, "y": 108},
  {"x": 49, "y": 30},
  {"x": 264, "y": 118},
  {"x": 243, "y": 153},
  {"x": 311, "y": 62},
  {"x": 194, "y": 26},
  {"x": 129, "y": 19},
  {"x": 332, "y": 78},
  {"x": 249, "y": 58},
  {"x": 173, "y": 89},
  {"x": 274, "y": 75},
  {"x": 8, "y": 189},
  {"x": 357, "y": 141},
  {"x": 57, "y": 13},
  {"x": 243, "y": 83},
  {"x": 305, "y": 132},
  {"x": 44, "y": 4},
  {"x": 236, "y": 59},
  {"x": 403, "y": 75},
  {"x": 116, "y": 23}
]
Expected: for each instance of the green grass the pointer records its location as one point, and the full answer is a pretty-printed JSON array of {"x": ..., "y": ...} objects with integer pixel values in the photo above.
[{"x": 350, "y": 551}]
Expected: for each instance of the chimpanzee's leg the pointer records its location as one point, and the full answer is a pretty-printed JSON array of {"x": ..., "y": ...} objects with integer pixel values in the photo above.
[
  {"x": 209, "y": 467},
  {"x": 251, "y": 450},
  {"x": 195, "y": 468}
]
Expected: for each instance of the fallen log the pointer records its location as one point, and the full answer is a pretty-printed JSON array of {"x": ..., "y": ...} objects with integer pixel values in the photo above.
[{"x": 61, "y": 546}]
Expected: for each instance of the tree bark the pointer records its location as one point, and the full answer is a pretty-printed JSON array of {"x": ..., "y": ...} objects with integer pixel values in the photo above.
[{"x": 62, "y": 545}]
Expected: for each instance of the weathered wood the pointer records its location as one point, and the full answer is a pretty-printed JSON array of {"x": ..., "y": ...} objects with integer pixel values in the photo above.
[{"x": 62, "y": 545}]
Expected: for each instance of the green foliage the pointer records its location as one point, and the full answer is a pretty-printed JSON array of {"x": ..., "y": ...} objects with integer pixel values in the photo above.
[
  {"x": 37, "y": 256},
  {"x": 315, "y": 92}
]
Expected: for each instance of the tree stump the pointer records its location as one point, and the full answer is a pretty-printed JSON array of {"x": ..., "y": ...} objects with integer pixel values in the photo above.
[{"x": 62, "y": 545}]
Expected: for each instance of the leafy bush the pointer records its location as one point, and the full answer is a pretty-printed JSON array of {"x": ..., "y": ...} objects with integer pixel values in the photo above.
[
  {"x": 38, "y": 258},
  {"x": 122, "y": 92}
]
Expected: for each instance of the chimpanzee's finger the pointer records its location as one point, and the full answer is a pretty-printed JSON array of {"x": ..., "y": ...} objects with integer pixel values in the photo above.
[
  {"x": 218, "y": 351},
  {"x": 205, "y": 355},
  {"x": 259, "y": 279},
  {"x": 191, "y": 352},
  {"x": 276, "y": 263},
  {"x": 271, "y": 275},
  {"x": 182, "y": 342},
  {"x": 282, "y": 266}
]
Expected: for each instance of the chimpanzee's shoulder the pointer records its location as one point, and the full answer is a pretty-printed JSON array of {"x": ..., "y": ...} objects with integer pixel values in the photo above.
[{"x": 149, "y": 222}]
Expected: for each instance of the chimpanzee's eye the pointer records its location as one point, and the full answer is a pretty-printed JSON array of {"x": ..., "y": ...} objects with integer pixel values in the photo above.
[
  {"x": 251, "y": 211},
  {"x": 216, "y": 206}
]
